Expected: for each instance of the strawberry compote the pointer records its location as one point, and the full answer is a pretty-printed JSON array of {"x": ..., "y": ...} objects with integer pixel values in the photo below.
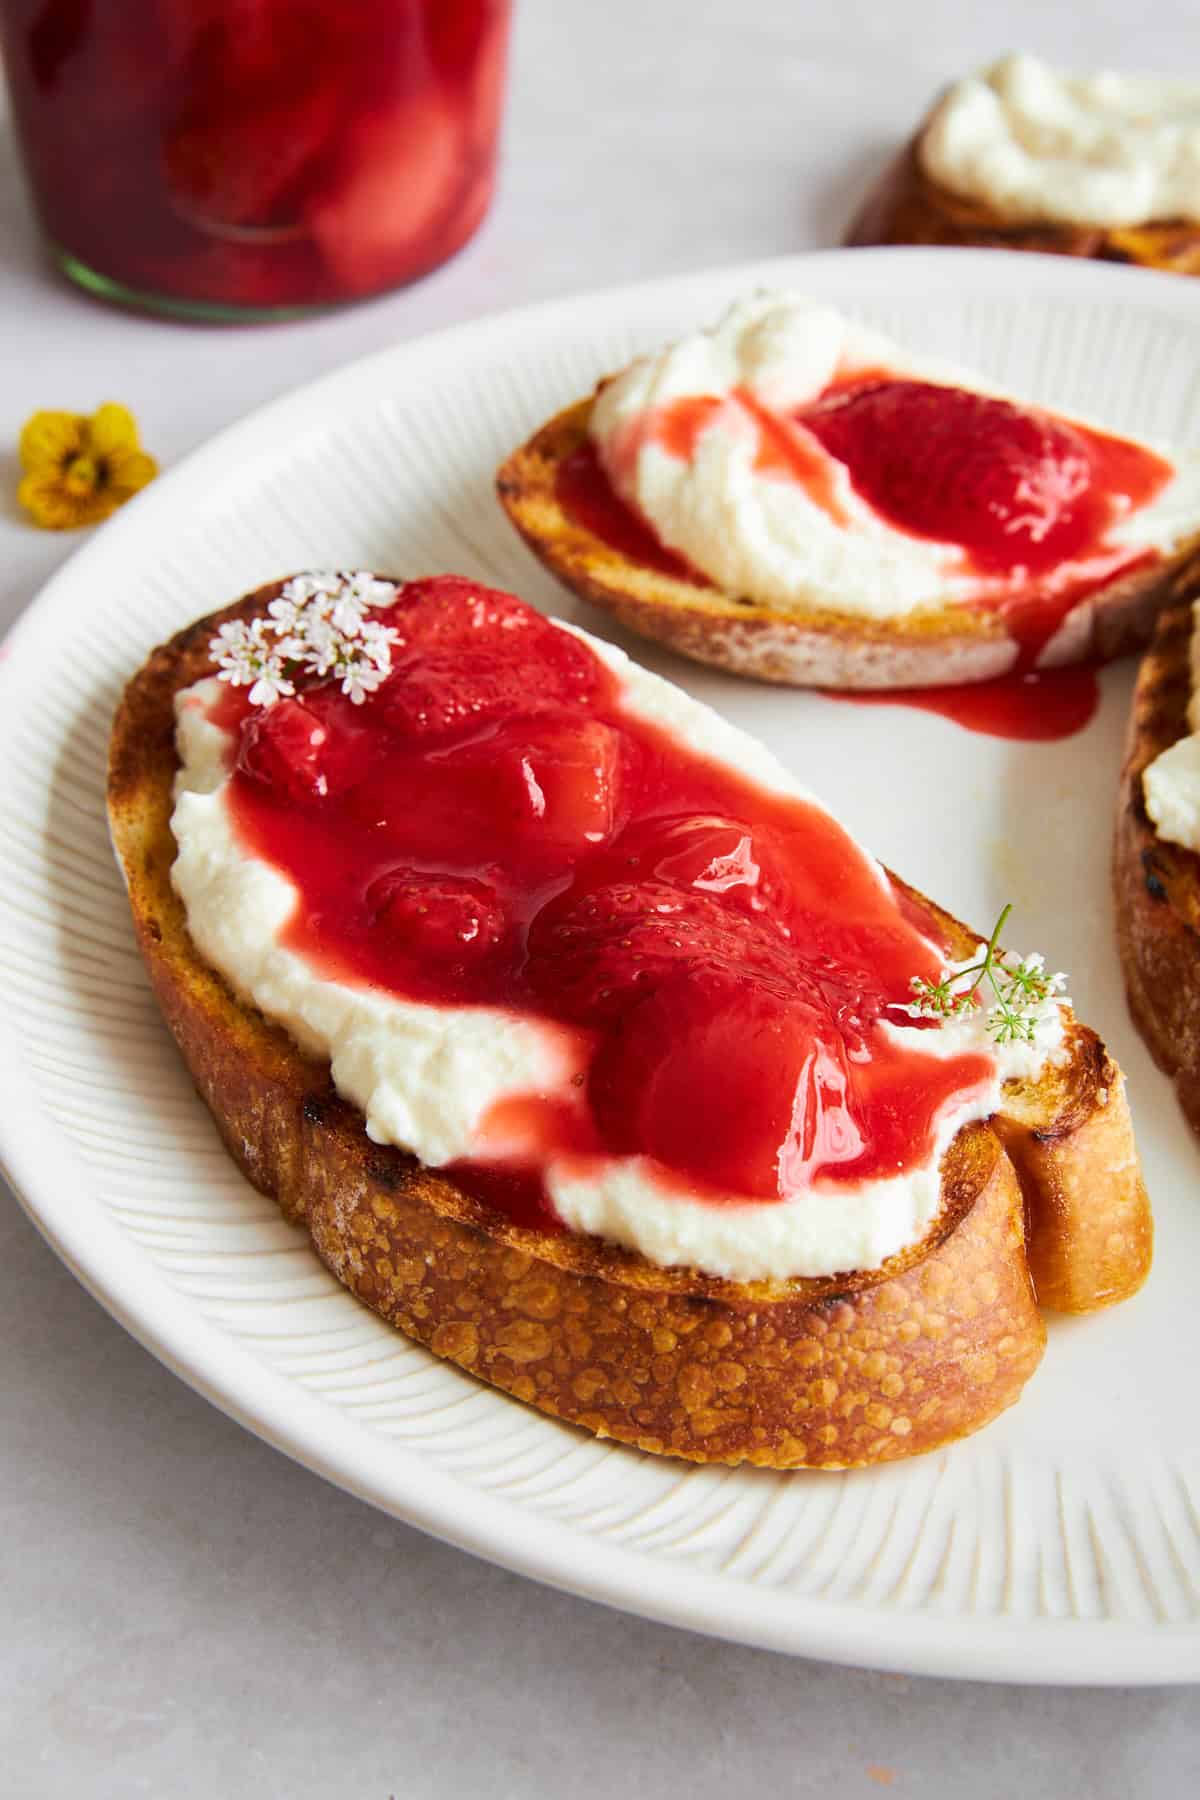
[
  {"x": 255, "y": 156},
  {"x": 1017, "y": 488},
  {"x": 497, "y": 825}
]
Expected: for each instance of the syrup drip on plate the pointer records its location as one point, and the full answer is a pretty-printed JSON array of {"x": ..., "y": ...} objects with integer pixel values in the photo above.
[{"x": 1032, "y": 705}]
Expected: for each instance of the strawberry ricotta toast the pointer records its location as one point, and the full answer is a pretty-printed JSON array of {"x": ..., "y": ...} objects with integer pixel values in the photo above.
[
  {"x": 792, "y": 496},
  {"x": 591, "y": 1048}
]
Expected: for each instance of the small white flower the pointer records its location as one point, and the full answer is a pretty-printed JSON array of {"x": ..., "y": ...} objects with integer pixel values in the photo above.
[
  {"x": 314, "y": 584},
  {"x": 319, "y": 647},
  {"x": 357, "y": 683},
  {"x": 287, "y": 616},
  {"x": 245, "y": 657},
  {"x": 291, "y": 649},
  {"x": 359, "y": 675},
  {"x": 270, "y": 687},
  {"x": 346, "y": 615},
  {"x": 377, "y": 641},
  {"x": 368, "y": 590}
]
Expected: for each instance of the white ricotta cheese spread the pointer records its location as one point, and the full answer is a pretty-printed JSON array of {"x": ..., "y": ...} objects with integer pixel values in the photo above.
[
  {"x": 1033, "y": 144},
  {"x": 752, "y": 532},
  {"x": 425, "y": 1076},
  {"x": 1171, "y": 783}
]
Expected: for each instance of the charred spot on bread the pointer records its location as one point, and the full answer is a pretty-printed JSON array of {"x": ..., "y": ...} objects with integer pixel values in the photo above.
[{"x": 1154, "y": 883}]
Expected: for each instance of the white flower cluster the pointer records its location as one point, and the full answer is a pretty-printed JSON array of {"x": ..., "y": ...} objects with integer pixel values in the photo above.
[
  {"x": 318, "y": 626},
  {"x": 1023, "y": 998}
]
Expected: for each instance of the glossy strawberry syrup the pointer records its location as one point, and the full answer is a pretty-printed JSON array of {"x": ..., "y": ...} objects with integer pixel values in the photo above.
[
  {"x": 494, "y": 827},
  {"x": 1032, "y": 705},
  {"x": 1029, "y": 499},
  {"x": 586, "y": 495}
]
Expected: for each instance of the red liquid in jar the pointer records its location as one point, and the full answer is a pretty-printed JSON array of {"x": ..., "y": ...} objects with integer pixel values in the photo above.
[
  {"x": 257, "y": 154},
  {"x": 493, "y": 827}
]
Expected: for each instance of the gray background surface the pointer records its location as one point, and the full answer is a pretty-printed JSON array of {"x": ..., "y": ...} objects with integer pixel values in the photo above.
[{"x": 184, "y": 1612}]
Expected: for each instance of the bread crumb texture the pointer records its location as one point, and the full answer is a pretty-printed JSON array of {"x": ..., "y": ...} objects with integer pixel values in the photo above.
[{"x": 864, "y": 1378}]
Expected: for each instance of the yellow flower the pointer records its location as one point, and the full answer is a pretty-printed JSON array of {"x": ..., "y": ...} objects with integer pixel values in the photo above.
[{"x": 79, "y": 470}]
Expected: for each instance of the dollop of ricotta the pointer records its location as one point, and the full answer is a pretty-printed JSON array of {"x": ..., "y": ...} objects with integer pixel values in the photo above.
[
  {"x": 1171, "y": 783},
  {"x": 1036, "y": 145},
  {"x": 772, "y": 539},
  {"x": 426, "y": 1077}
]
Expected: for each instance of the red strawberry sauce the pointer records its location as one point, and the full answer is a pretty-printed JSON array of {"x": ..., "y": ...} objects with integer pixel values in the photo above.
[
  {"x": 1027, "y": 497},
  {"x": 494, "y": 827},
  {"x": 1037, "y": 706},
  {"x": 587, "y": 495}
]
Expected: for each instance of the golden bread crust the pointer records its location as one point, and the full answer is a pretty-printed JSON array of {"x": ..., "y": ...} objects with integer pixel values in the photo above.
[
  {"x": 1156, "y": 883},
  {"x": 857, "y": 1369},
  {"x": 1070, "y": 1140},
  {"x": 909, "y": 207},
  {"x": 811, "y": 648}
]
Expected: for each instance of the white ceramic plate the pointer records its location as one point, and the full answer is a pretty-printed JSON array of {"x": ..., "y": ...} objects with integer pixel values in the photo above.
[{"x": 1061, "y": 1544}]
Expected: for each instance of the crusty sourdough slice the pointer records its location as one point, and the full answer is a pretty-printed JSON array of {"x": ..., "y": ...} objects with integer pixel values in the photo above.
[
  {"x": 1157, "y": 883},
  {"x": 909, "y": 207},
  {"x": 926, "y": 648},
  {"x": 859, "y": 1368}
]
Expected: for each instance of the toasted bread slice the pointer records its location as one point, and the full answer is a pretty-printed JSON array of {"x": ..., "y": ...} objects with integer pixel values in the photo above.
[
  {"x": 926, "y": 648},
  {"x": 1157, "y": 883},
  {"x": 909, "y": 207},
  {"x": 862, "y": 1367}
]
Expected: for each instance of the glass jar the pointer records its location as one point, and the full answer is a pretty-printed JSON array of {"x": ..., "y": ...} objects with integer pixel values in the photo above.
[{"x": 242, "y": 158}]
